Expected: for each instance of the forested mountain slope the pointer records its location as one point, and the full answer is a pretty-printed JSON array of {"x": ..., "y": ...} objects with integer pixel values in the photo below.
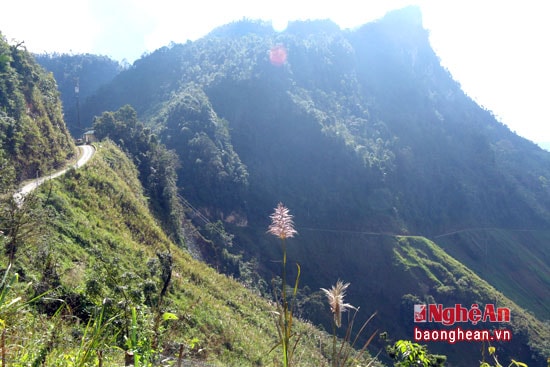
[
  {"x": 376, "y": 96},
  {"x": 33, "y": 136},
  {"x": 360, "y": 133}
]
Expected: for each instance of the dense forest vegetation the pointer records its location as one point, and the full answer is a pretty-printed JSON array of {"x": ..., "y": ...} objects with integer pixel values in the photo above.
[
  {"x": 376, "y": 98},
  {"x": 388, "y": 168},
  {"x": 33, "y": 136}
]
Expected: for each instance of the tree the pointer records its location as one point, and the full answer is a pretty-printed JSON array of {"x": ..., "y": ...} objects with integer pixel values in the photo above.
[
  {"x": 22, "y": 221},
  {"x": 156, "y": 164},
  {"x": 408, "y": 354}
]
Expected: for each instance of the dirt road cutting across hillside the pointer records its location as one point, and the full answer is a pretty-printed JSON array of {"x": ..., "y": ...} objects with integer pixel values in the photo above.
[{"x": 86, "y": 152}]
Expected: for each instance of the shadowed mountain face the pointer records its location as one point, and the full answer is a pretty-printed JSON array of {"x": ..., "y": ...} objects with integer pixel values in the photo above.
[
  {"x": 364, "y": 136},
  {"x": 369, "y": 117}
]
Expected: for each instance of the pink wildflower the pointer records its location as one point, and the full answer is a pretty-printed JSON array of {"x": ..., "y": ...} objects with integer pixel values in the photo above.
[{"x": 281, "y": 225}]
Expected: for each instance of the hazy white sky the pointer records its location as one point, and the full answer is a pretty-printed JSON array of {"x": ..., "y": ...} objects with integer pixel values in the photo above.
[{"x": 498, "y": 50}]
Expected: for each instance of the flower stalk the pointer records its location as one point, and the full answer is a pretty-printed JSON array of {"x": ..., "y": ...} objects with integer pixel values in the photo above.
[
  {"x": 335, "y": 296},
  {"x": 282, "y": 226}
]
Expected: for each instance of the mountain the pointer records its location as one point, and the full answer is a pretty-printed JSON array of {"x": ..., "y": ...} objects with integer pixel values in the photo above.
[
  {"x": 387, "y": 166},
  {"x": 33, "y": 137},
  {"x": 377, "y": 94},
  {"x": 91, "y": 274}
]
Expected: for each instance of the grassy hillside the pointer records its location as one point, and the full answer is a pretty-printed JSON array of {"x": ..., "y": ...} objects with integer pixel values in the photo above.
[
  {"x": 515, "y": 262},
  {"x": 104, "y": 251}
]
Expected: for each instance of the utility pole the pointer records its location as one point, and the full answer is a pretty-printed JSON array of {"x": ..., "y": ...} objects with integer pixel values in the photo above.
[{"x": 77, "y": 93}]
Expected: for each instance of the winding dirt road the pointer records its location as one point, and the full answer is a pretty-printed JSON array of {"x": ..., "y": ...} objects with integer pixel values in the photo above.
[{"x": 86, "y": 152}]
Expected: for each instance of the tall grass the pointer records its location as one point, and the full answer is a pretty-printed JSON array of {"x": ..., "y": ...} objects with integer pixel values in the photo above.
[
  {"x": 282, "y": 227},
  {"x": 342, "y": 356}
]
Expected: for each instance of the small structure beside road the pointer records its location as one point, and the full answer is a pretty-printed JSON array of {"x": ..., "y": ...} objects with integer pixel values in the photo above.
[{"x": 89, "y": 137}]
